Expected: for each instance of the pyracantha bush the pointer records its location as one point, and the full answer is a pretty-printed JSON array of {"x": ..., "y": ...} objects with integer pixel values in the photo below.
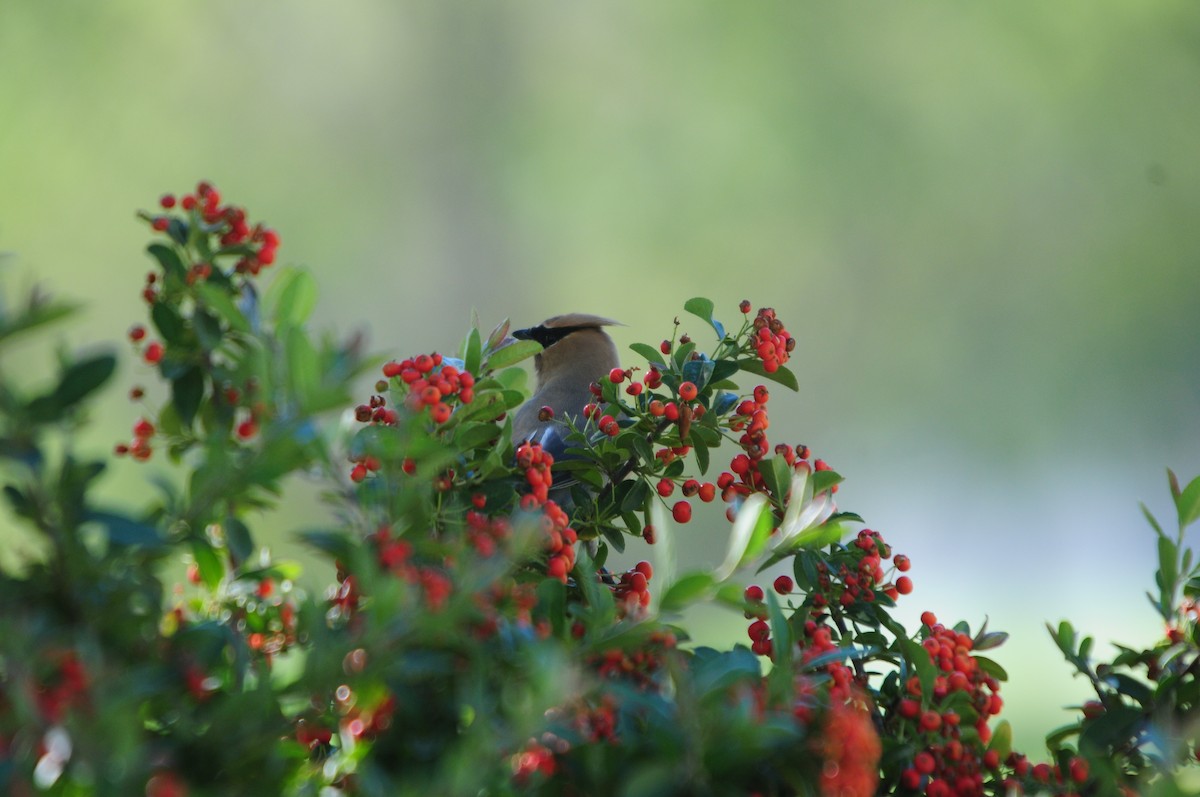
[{"x": 475, "y": 638}]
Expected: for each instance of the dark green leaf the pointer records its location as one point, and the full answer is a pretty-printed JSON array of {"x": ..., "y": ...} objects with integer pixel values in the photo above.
[
  {"x": 168, "y": 258},
  {"x": 125, "y": 531},
  {"x": 187, "y": 391},
  {"x": 168, "y": 321},
  {"x": 634, "y": 498},
  {"x": 208, "y": 329},
  {"x": 237, "y": 540},
  {"x": 84, "y": 377},
  {"x": 701, "y": 452},
  {"x": 822, "y": 480}
]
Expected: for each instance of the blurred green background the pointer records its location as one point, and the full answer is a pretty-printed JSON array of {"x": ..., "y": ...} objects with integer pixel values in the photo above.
[{"x": 979, "y": 220}]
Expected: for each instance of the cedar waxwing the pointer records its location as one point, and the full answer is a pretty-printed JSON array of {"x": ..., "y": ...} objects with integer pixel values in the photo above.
[{"x": 575, "y": 353}]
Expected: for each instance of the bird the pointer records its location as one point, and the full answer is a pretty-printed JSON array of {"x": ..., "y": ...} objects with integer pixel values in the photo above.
[{"x": 576, "y": 351}]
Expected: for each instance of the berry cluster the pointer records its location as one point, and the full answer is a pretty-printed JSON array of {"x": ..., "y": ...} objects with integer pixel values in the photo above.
[
  {"x": 642, "y": 666},
  {"x": 950, "y": 762},
  {"x": 560, "y": 538},
  {"x": 681, "y": 511},
  {"x": 139, "y": 448},
  {"x": 855, "y": 573},
  {"x": 632, "y": 589},
  {"x": 257, "y": 245},
  {"x": 771, "y": 341}
]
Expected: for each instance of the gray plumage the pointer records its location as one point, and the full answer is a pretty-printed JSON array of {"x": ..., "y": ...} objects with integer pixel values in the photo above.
[{"x": 576, "y": 352}]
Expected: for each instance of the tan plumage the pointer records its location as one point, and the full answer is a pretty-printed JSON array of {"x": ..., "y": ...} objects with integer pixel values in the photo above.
[{"x": 576, "y": 353}]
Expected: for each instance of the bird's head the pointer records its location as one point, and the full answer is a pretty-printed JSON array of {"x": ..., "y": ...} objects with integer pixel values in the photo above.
[{"x": 572, "y": 343}]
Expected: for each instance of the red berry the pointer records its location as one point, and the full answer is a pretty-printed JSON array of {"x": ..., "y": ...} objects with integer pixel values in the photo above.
[
  {"x": 645, "y": 568},
  {"x": 687, "y": 391},
  {"x": 616, "y": 376},
  {"x": 546, "y": 413},
  {"x": 754, "y": 594},
  {"x": 902, "y": 563},
  {"x": 924, "y": 763},
  {"x": 665, "y": 487},
  {"x": 904, "y": 585},
  {"x": 682, "y": 511},
  {"x": 161, "y": 223},
  {"x": 153, "y": 353},
  {"x": 358, "y": 473},
  {"x": 708, "y": 491},
  {"x": 143, "y": 429},
  {"x": 247, "y": 429},
  {"x": 784, "y": 585},
  {"x": 167, "y": 201},
  {"x": 657, "y": 408},
  {"x": 665, "y": 347},
  {"x": 744, "y": 306},
  {"x": 929, "y": 619}
]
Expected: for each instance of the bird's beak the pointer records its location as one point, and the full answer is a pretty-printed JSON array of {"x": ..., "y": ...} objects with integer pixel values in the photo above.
[{"x": 522, "y": 334}]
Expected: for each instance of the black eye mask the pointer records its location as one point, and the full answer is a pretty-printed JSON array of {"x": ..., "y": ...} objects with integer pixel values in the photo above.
[{"x": 547, "y": 336}]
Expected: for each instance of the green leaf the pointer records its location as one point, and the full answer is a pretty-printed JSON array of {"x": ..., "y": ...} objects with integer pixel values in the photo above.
[
  {"x": 472, "y": 352},
  {"x": 237, "y": 540},
  {"x": 208, "y": 563},
  {"x": 168, "y": 322},
  {"x": 635, "y": 498},
  {"x": 703, "y": 308},
  {"x": 783, "y": 376},
  {"x": 918, "y": 659},
  {"x": 84, "y": 377},
  {"x": 992, "y": 668},
  {"x": 292, "y": 295},
  {"x": 552, "y": 603},
  {"x": 218, "y": 300},
  {"x": 1150, "y": 519},
  {"x": 649, "y": 353},
  {"x": 513, "y": 353},
  {"x": 304, "y": 371},
  {"x": 187, "y": 392},
  {"x": 701, "y": 452},
  {"x": 777, "y": 475},
  {"x": 781, "y": 680},
  {"x": 822, "y": 480},
  {"x": 1188, "y": 503},
  {"x": 686, "y": 590},
  {"x": 168, "y": 258},
  {"x": 1002, "y": 739},
  {"x": 126, "y": 532}
]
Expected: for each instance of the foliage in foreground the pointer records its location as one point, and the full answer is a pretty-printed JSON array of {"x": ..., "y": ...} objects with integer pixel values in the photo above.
[{"x": 475, "y": 642}]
